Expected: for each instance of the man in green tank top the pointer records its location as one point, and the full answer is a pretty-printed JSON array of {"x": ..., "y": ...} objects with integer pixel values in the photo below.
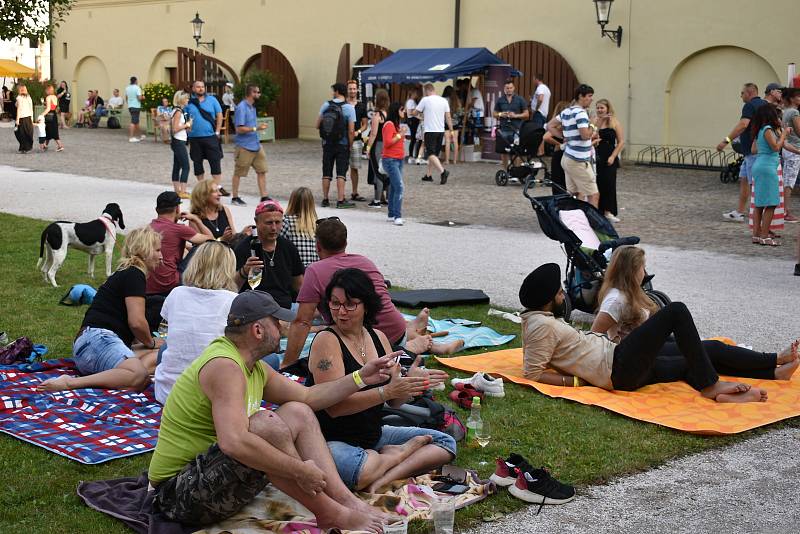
[{"x": 217, "y": 449}]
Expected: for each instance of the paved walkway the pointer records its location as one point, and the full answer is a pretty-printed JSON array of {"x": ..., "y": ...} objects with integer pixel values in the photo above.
[{"x": 752, "y": 299}]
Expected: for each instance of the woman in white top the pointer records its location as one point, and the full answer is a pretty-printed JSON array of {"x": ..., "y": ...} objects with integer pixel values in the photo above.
[
  {"x": 413, "y": 124},
  {"x": 196, "y": 312},
  {"x": 23, "y": 125},
  {"x": 178, "y": 139},
  {"x": 624, "y": 306}
]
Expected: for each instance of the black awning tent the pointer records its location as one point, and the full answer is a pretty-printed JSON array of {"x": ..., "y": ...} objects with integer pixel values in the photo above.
[{"x": 417, "y": 65}]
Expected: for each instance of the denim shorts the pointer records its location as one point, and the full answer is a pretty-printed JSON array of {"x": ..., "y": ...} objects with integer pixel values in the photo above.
[
  {"x": 97, "y": 350},
  {"x": 350, "y": 459},
  {"x": 746, "y": 170}
]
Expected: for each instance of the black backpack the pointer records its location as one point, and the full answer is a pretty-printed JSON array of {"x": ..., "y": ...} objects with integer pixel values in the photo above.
[
  {"x": 332, "y": 126},
  {"x": 112, "y": 123},
  {"x": 424, "y": 412}
]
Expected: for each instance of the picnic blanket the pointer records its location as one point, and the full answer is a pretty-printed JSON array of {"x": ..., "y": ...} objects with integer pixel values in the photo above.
[
  {"x": 128, "y": 500},
  {"x": 675, "y": 405},
  {"x": 480, "y": 336},
  {"x": 89, "y": 426}
]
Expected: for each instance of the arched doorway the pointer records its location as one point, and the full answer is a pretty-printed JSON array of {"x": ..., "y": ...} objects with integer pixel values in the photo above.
[
  {"x": 194, "y": 65},
  {"x": 286, "y": 108},
  {"x": 694, "y": 112},
  {"x": 163, "y": 68},
  {"x": 532, "y": 57},
  {"x": 90, "y": 73}
]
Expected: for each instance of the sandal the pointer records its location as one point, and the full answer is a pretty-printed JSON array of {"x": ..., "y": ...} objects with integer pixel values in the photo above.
[
  {"x": 773, "y": 235},
  {"x": 756, "y": 240},
  {"x": 770, "y": 242},
  {"x": 357, "y": 197}
]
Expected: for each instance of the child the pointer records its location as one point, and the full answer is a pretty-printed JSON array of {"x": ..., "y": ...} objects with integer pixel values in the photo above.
[{"x": 42, "y": 134}]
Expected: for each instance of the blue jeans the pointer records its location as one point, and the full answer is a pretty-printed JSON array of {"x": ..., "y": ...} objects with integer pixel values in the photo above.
[
  {"x": 394, "y": 168},
  {"x": 180, "y": 161},
  {"x": 97, "y": 350},
  {"x": 350, "y": 459}
]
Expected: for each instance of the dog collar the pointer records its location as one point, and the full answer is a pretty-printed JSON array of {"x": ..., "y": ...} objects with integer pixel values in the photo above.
[{"x": 108, "y": 222}]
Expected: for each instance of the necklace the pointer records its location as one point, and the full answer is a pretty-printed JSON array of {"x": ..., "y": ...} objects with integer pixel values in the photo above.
[
  {"x": 362, "y": 349},
  {"x": 271, "y": 258},
  {"x": 215, "y": 224}
]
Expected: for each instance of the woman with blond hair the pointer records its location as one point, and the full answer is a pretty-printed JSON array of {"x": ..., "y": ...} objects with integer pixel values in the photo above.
[
  {"x": 457, "y": 114},
  {"x": 207, "y": 205},
  {"x": 609, "y": 146},
  {"x": 300, "y": 223},
  {"x": 179, "y": 126},
  {"x": 104, "y": 350},
  {"x": 624, "y": 307},
  {"x": 196, "y": 312}
]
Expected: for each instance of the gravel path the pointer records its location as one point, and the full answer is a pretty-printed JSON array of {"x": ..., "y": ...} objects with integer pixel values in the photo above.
[{"x": 750, "y": 297}]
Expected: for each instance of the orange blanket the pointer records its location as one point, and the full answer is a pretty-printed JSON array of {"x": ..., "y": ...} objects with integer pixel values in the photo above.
[{"x": 674, "y": 405}]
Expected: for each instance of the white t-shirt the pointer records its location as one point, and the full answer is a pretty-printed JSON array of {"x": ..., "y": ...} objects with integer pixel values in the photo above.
[
  {"x": 542, "y": 89},
  {"x": 433, "y": 108},
  {"x": 477, "y": 99},
  {"x": 41, "y": 130},
  {"x": 411, "y": 105},
  {"x": 24, "y": 106},
  {"x": 614, "y": 304},
  {"x": 115, "y": 102},
  {"x": 180, "y": 135},
  {"x": 195, "y": 318}
]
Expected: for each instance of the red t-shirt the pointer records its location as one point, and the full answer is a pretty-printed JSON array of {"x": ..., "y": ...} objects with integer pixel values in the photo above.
[
  {"x": 173, "y": 244},
  {"x": 392, "y": 148},
  {"x": 319, "y": 274}
]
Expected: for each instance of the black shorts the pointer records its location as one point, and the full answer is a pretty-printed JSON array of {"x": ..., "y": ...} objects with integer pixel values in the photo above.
[
  {"x": 433, "y": 143},
  {"x": 335, "y": 153},
  {"x": 134, "y": 115},
  {"x": 209, "y": 489},
  {"x": 209, "y": 148}
]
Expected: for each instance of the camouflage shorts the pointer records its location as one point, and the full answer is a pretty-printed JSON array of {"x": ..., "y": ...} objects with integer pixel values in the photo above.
[{"x": 211, "y": 488}]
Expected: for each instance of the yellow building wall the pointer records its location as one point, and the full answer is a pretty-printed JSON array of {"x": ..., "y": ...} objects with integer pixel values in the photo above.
[{"x": 676, "y": 78}]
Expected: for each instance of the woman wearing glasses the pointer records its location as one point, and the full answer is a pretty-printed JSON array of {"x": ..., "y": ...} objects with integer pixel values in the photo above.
[{"x": 368, "y": 454}]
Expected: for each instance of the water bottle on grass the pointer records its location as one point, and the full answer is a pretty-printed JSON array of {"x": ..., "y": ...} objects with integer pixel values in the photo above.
[{"x": 474, "y": 421}]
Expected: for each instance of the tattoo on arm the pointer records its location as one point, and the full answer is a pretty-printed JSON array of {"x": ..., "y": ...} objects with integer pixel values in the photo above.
[{"x": 324, "y": 364}]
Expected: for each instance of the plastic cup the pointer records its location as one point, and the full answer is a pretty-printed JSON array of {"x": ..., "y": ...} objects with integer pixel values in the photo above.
[
  {"x": 443, "y": 511},
  {"x": 397, "y": 527}
]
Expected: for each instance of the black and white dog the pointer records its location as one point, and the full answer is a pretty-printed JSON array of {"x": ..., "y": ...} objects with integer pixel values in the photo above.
[{"x": 95, "y": 237}]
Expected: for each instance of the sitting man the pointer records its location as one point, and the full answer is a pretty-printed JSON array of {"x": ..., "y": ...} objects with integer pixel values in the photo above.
[
  {"x": 274, "y": 256},
  {"x": 217, "y": 450},
  {"x": 331, "y": 237},
  {"x": 99, "y": 109},
  {"x": 115, "y": 102},
  {"x": 556, "y": 353}
]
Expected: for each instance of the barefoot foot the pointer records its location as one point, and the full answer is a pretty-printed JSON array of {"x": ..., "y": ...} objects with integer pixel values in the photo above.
[
  {"x": 349, "y": 519},
  {"x": 447, "y": 348},
  {"x": 790, "y": 353},
  {"x": 785, "y": 371},
  {"x": 421, "y": 320},
  {"x": 752, "y": 395},
  {"x": 406, "y": 449},
  {"x": 721, "y": 387},
  {"x": 55, "y": 384}
]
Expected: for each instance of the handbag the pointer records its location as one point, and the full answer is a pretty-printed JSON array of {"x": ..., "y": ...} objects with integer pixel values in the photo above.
[{"x": 21, "y": 350}]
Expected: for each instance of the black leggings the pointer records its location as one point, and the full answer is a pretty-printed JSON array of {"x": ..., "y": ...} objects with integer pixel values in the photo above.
[
  {"x": 727, "y": 360},
  {"x": 635, "y": 357},
  {"x": 413, "y": 149}
]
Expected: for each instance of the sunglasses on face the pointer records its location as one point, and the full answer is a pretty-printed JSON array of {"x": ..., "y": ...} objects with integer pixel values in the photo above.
[
  {"x": 334, "y": 218},
  {"x": 350, "y": 305}
]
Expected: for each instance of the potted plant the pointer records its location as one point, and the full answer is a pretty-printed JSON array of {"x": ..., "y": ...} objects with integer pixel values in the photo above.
[
  {"x": 153, "y": 93},
  {"x": 270, "y": 90}
]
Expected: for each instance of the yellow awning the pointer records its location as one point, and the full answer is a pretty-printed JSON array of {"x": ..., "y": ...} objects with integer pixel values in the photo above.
[{"x": 11, "y": 69}]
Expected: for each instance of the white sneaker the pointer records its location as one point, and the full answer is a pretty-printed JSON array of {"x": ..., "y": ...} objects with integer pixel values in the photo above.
[
  {"x": 421, "y": 161},
  {"x": 398, "y": 222},
  {"x": 733, "y": 216},
  {"x": 133, "y": 140},
  {"x": 411, "y": 161},
  {"x": 492, "y": 387},
  {"x": 390, "y": 219},
  {"x": 513, "y": 180},
  {"x": 612, "y": 218},
  {"x": 143, "y": 136}
]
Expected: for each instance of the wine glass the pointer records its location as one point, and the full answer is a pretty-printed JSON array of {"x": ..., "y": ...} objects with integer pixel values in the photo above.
[
  {"x": 254, "y": 277},
  {"x": 483, "y": 435}
]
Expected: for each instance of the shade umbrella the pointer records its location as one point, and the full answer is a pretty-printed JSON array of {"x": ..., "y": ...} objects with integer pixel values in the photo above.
[{"x": 11, "y": 69}]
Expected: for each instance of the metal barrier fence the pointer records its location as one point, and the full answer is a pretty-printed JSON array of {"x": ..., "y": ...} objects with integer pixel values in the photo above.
[{"x": 695, "y": 158}]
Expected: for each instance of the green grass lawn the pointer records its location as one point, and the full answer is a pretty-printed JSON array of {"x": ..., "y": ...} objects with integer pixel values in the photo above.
[{"x": 580, "y": 444}]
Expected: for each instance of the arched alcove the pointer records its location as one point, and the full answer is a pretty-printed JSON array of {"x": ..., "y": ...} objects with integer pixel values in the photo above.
[
  {"x": 163, "y": 67},
  {"x": 286, "y": 108},
  {"x": 90, "y": 73}
]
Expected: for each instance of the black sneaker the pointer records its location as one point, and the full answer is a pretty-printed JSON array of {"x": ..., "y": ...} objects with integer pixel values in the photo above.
[
  {"x": 505, "y": 472},
  {"x": 236, "y": 201},
  {"x": 427, "y": 178},
  {"x": 264, "y": 199},
  {"x": 797, "y": 269},
  {"x": 374, "y": 204},
  {"x": 444, "y": 176},
  {"x": 325, "y": 203},
  {"x": 538, "y": 487},
  {"x": 344, "y": 204},
  {"x": 223, "y": 192}
]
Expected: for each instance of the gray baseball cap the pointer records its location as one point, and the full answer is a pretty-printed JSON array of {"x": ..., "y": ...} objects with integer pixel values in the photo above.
[
  {"x": 771, "y": 87},
  {"x": 254, "y": 305}
]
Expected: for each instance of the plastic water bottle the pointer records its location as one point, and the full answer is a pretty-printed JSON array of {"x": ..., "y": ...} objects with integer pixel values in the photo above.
[
  {"x": 516, "y": 139},
  {"x": 474, "y": 421}
]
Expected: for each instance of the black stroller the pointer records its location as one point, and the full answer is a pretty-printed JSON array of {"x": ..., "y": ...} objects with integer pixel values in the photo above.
[
  {"x": 585, "y": 267},
  {"x": 521, "y": 147}
]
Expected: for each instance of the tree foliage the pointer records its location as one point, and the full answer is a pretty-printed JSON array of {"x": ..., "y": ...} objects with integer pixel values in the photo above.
[{"x": 34, "y": 19}]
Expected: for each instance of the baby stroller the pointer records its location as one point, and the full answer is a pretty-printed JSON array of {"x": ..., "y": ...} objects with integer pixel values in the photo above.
[
  {"x": 521, "y": 147},
  {"x": 730, "y": 173},
  {"x": 562, "y": 217}
]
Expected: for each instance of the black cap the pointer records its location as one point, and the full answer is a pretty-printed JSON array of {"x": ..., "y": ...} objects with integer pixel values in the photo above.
[
  {"x": 340, "y": 88},
  {"x": 168, "y": 199},
  {"x": 541, "y": 286},
  {"x": 254, "y": 305},
  {"x": 771, "y": 87}
]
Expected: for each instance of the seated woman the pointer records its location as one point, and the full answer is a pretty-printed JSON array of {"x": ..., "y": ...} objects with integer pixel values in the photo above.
[
  {"x": 616, "y": 318},
  {"x": 368, "y": 454},
  {"x": 207, "y": 205},
  {"x": 103, "y": 350},
  {"x": 164, "y": 114},
  {"x": 300, "y": 223},
  {"x": 196, "y": 312},
  {"x": 556, "y": 353}
]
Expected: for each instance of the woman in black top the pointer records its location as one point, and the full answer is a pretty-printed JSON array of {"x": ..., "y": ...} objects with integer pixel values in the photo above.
[
  {"x": 612, "y": 139},
  {"x": 64, "y": 99},
  {"x": 375, "y": 149},
  {"x": 207, "y": 205},
  {"x": 367, "y": 453},
  {"x": 103, "y": 350}
]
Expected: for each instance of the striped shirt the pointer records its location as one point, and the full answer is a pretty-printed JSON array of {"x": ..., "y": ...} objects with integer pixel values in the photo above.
[{"x": 571, "y": 119}]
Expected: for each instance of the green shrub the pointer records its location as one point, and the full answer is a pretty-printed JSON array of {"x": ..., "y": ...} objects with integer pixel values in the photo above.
[
  {"x": 36, "y": 89},
  {"x": 154, "y": 92},
  {"x": 270, "y": 90}
]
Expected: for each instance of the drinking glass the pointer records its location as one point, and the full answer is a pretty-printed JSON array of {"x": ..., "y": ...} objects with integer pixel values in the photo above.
[
  {"x": 254, "y": 277},
  {"x": 483, "y": 435},
  {"x": 397, "y": 527},
  {"x": 443, "y": 511}
]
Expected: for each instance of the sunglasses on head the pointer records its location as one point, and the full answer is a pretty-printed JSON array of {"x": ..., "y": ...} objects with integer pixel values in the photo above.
[{"x": 334, "y": 218}]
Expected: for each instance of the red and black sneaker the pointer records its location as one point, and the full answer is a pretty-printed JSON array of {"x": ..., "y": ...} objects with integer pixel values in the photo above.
[
  {"x": 538, "y": 487},
  {"x": 505, "y": 472}
]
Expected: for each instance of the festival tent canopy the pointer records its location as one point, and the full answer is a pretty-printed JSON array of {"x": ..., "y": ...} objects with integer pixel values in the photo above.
[
  {"x": 415, "y": 65},
  {"x": 11, "y": 69}
]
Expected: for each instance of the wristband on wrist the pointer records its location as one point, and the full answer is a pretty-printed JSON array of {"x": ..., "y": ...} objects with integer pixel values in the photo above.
[
  {"x": 382, "y": 393},
  {"x": 358, "y": 380},
  {"x": 728, "y": 140}
]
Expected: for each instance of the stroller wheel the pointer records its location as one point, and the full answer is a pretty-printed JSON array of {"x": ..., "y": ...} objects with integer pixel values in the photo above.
[
  {"x": 659, "y": 297},
  {"x": 723, "y": 177},
  {"x": 501, "y": 178},
  {"x": 567, "y": 307}
]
